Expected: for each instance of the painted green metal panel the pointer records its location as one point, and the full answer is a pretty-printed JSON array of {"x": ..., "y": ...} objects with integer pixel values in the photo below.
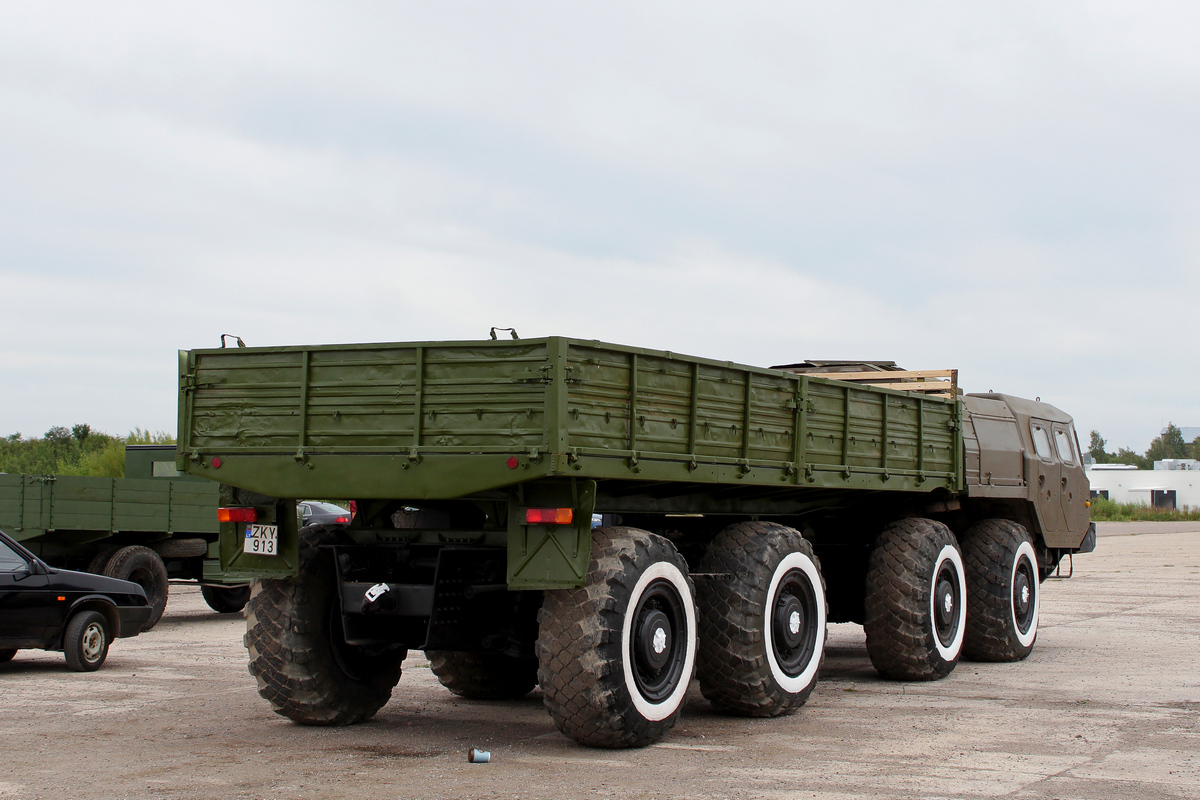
[
  {"x": 442, "y": 419},
  {"x": 550, "y": 556},
  {"x": 79, "y": 503},
  {"x": 33, "y": 506},
  {"x": 141, "y": 505},
  {"x": 12, "y": 503},
  {"x": 193, "y": 507}
]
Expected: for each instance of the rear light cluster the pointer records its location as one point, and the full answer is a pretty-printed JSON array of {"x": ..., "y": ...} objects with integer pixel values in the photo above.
[
  {"x": 549, "y": 516},
  {"x": 238, "y": 515},
  {"x": 342, "y": 520}
]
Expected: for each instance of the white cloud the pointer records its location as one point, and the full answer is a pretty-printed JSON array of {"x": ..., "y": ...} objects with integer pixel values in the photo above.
[{"x": 1009, "y": 189}]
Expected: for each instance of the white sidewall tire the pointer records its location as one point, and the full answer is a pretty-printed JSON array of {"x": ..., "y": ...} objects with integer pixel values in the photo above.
[
  {"x": 951, "y": 554},
  {"x": 1025, "y": 550},
  {"x": 804, "y": 564},
  {"x": 655, "y": 712}
]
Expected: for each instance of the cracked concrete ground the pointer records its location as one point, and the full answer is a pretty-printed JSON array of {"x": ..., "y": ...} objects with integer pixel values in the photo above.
[{"x": 1108, "y": 706}]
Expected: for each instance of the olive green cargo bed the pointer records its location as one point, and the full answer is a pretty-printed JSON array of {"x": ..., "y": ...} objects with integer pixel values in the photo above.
[{"x": 444, "y": 420}]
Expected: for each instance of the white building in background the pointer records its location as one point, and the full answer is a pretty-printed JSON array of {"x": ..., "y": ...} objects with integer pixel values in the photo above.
[
  {"x": 1177, "y": 463},
  {"x": 1162, "y": 487}
]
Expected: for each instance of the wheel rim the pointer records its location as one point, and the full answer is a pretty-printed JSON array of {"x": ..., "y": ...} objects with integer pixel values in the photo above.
[
  {"x": 658, "y": 647},
  {"x": 93, "y": 642},
  {"x": 794, "y": 666},
  {"x": 1026, "y": 592},
  {"x": 1023, "y": 596},
  {"x": 947, "y": 603},
  {"x": 794, "y": 618}
]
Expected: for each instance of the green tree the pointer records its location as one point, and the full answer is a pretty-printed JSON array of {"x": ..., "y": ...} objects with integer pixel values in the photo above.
[
  {"x": 1169, "y": 445},
  {"x": 1127, "y": 456},
  {"x": 1195, "y": 448},
  {"x": 146, "y": 436},
  {"x": 107, "y": 462},
  {"x": 1096, "y": 449},
  {"x": 60, "y": 451},
  {"x": 57, "y": 435}
]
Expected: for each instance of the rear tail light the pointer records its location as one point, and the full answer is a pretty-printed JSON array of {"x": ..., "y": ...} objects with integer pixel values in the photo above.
[
  {"x": 549, "y": 516},
  {"x": 345, "y": 520},
  {"x": 237, "y": 515}
]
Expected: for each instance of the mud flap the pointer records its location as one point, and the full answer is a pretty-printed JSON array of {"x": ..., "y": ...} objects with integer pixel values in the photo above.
[{"x": 550, "y": 556}]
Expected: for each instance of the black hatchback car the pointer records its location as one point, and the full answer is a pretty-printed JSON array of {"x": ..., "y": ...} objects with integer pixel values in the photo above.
[{"x": 55, "y": 609}]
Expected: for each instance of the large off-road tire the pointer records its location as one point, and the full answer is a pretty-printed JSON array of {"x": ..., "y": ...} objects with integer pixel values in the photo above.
[
  {"x": 86, "y": 640},
  {"x": 616, "y": 655},
  {"x": 762, "y": 629},
  {"x": 297, "y": 648},
  {"x": 100, "y": 560},
  {"x": 142, "y": 566},
  {"x": 1003, "y": 595},
  {"x": 915, "y": 601},
  {"x": 181, "y": 548},
  {"x": 226, "y": 599},
  {"x": 483, "y": 676}
]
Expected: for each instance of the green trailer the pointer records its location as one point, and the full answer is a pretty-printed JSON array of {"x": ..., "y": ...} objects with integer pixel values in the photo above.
[
  {"x": 152, "y": 526},
  {"x": 608, "y": 521}
]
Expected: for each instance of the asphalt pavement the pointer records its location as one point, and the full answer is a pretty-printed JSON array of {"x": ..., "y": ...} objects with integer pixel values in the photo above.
[{"x": 1107, "y": 706}]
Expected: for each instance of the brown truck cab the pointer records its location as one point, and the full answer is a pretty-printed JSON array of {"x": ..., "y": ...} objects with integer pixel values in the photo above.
[{"x": 1023, "y": 462}]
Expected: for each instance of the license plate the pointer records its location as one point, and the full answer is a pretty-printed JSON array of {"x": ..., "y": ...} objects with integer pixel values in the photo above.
[{"x": 262, "y": 540}]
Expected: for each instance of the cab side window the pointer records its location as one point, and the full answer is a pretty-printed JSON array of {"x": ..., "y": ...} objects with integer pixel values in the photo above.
[
  {"x": 1063, "y": 441},
  {"x": 11, "y": 560},
  {"x": 1041, "y": 441}
]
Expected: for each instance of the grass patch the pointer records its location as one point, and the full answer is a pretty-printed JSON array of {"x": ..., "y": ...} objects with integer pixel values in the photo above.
[{"x": 1109, "y": 511}]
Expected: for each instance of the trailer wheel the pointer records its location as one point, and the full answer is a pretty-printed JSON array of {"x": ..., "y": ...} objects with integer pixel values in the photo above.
[
  {"x": 100, "y": 560},
  {"x": 616, "y": 655},
  {"x": 915, "y": 601},
  {"x": 762, "y": 632},
  {"x": 142, "y": 566},
  {"x": 85, "y": 641},
  {"x": 298, "y": 652},
  {"x": 225, "y": 599},
  {"x": 1002, "y": 591},
  {"x": 483, "y": 676}
]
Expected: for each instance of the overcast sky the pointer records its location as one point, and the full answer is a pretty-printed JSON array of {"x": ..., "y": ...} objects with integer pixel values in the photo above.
[{"x": 1009, "y": 188}]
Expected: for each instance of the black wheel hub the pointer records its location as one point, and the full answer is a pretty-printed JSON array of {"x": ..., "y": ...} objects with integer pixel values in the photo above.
[
  {"x": 793, "y": 623},
  {"x": 946, "y": 602},
  {"x": 789, "y": 621},
  {"x": 658, "y": 640},
  {"x": 1023, "y": 595},
  {"x": 654, "y": 640}
]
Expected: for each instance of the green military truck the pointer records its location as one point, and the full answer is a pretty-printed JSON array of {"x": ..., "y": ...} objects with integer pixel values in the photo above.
[
  {"x": 150, "y": 527},
  {"x": 740, "y": 509}
]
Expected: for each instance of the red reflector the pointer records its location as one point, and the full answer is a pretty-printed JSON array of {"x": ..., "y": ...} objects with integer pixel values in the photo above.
[
  {"x": 549, "y": 516},
  {"x": 237, "y": 515},
  {"x": 512, "y": 462}
]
